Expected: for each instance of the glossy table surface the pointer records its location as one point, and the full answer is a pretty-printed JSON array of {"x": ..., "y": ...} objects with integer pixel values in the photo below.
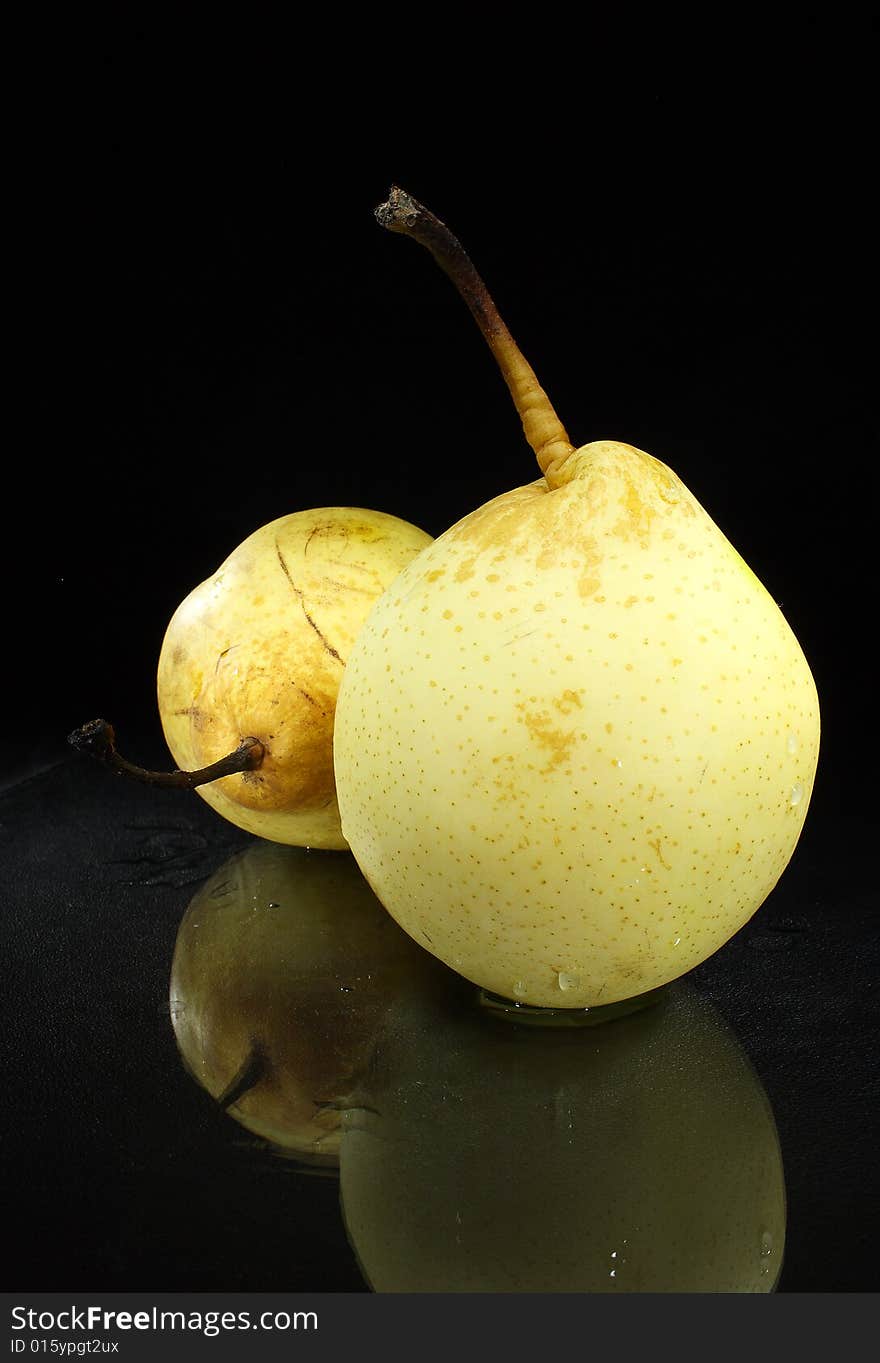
[{"x": 379, "y": 1127}]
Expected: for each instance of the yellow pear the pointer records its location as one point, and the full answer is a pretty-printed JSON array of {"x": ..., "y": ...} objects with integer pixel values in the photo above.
[
  {"x": 576, "y": 742},
  {"x": 257, "y": 651},
  {"x": 640, "y": 1155}
]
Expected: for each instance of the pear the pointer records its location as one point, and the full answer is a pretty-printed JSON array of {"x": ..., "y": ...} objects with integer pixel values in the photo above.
[
  {"x": 284, "y": 967},
  {"x": 257, "y": 651},
  {"x": 639, "y": 1155},
  {"x": 575, "y": 743}
]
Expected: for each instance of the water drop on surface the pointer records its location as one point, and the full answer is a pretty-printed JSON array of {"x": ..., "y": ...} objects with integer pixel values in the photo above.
[
  {"x": 566, "y": 981},
  {"x": 797, "y": 794},
  {"x": 766, "y": 1244},
  {"x": 791, "y": 744},
  {"x": 519, "y": 989}
]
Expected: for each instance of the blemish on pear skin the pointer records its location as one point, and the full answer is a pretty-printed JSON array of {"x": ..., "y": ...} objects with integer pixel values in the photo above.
[
  {"x": 567, "y": 701},
  {"x": 197, "y": 717},
  {"x": 557, "y": 742},
  {"x": 637, "y": 515},
  {"x": 220, "y": 656},
  {"x": 362, "y": 530},
  {"x": 346, "y": 587},
  {"x": 657, "y": 844},
  {"x": 465, "y": 570},
  {"x": 671, "y": 489},
  {"x": 297, "y": 591},
  {"x": 435, "y": 574}
]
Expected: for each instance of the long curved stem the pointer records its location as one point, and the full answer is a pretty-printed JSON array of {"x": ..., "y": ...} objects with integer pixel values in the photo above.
[
  {"x": 543, "y": 429},
  {"x": 98, "y": 739}
]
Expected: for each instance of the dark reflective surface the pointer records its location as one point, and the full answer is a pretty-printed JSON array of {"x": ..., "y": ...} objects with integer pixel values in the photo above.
[
  {"x": 284, "y": 970},
  {"x": 200, "y": 1023},
  {"x": 490, "y": 1155}
]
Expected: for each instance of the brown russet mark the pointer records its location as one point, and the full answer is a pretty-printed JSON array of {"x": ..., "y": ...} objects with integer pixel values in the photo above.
[
  {"x": 300, "y": 597},
  {"x": 198, "y": 717},
  {"x": 316, "y": 530},
  {"x": 340, "y": 530},
  {"x": 297, "y": 770},
  {"x": 349, "y": 587},
  {"x": 567, "y": 701},
  {"x": 635, "y": 522},
  {"x": 350, "y": 566},
  {"x": 664, "y": 488},
  {"x": 499, "y": 524},
  {"x": 306, "y": 695},
  {"x": 557, "y": 743},
  {"x": 657, "y": 844},
  {"x": 221, "y": 655}
]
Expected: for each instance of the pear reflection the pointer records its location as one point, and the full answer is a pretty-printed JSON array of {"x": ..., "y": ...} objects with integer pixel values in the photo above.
[
  {"x": 637, "y": 1155},
  {"x": 284, "y": 966}
]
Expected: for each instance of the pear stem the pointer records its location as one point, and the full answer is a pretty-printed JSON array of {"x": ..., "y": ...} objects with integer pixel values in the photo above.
[
  {"x": 98, "y": 739},
  {"x": 254, "y": 1069},
  {"x": 543, "y": 429}
]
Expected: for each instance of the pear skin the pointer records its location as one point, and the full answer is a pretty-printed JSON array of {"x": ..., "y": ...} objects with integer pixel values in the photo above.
[{"x": 259, "y": 649}]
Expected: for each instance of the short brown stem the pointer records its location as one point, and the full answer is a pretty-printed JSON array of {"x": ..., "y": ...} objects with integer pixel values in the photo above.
[
  {"x": 253, "y": 1070},
  {"x": 98, "y": 739}
]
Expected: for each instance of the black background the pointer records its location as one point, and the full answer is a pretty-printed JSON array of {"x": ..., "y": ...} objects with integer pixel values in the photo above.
[{"x": 215, "y": 332}]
